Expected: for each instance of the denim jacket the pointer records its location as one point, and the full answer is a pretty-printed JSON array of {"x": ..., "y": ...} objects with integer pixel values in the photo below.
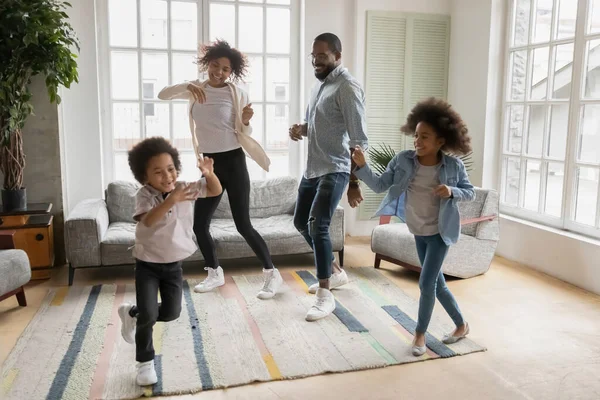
[{"x": 401, "y": 171}]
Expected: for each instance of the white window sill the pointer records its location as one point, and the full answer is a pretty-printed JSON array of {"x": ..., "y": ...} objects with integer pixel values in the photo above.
[{"x": 560, "y": 232}]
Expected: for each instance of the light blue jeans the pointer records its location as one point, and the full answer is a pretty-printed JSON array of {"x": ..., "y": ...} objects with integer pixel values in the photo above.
[{"x": 432, "y": 251}]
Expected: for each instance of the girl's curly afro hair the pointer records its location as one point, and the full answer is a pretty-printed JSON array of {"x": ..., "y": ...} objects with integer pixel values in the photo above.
[
  {"x": 445, "y": 122},
  {"x": 220, "y": 48},
  {"x": 142, "y": 152}
]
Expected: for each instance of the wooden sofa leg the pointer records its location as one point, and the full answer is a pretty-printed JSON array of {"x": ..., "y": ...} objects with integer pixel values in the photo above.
[
  {"x": 377, "y": 261},
  {"x": 21, "y": 297},
  {"x": 341, "y": 257},
  {"x": 71, "y": 274}
]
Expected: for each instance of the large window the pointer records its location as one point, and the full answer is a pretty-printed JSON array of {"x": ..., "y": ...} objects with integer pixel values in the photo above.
[
  {"x": 551, "y": 127},
  {"x": 149, "y": 44}
]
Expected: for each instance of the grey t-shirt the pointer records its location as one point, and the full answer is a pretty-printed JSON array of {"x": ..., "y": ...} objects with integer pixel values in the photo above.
[{"x": 422, "y": 206}]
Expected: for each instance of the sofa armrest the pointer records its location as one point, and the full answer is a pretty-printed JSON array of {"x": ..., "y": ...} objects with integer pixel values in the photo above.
[{"x": 84, "y": 230}]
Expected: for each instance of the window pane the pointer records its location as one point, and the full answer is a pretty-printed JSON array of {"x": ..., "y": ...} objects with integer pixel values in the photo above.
[
  {"x": 554, "y": 189},
  {"x": 567, "y": 15},
  {"x": 251, "y": 29},
  {"x": 184, "y": 68},
  {"x": 280, "y": 165},
  {"x": 189, "y": 170},
  {"x": 587, "y": 195},
  {"x": 532, "y": 185},
  {"x": 124, "y": 75},
  {"x": 539, "y": 79},
  {"x": 512, "y": 177},
  {"x": 254, "y": 1},
  {"x": 277, "y": 126},
  {"x": 122, "y": 169},
  {"x": 154, "y": 24},
  {"x": 156, "y": 120},
  {"x": 592, "y": 72},
  {"x": 535, "y": 136},
  {"x": 521, "y": 22},
  {"x": 278, "y": 79},
  {"x": 257, "y": 122},
  {"x": 253, "y": 83},
  {"x": 563, "y": 71},
  {"x": 594, "y": 16},
  {"x": 184, "y": 26},
  {"x": 122, "y": 24},
  {"x": 278, "y": 30},
  {"x": 589, "y": 134},
  {"x": 278, "y": 1},
  {"x": 542, "y": 21},
  {"x": 155, "y": 74},
  {"x": 514, "y": 132},
  {"x": 559, "y": 123},
  {"x": 518, "y": 74},
  {"x": 126, "y": 125},
  {"x": 222, "y": 23},
  {"x": 182, "y": 138}
]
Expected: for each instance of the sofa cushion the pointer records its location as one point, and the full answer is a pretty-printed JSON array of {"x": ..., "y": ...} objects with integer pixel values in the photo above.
[
  {"x": 267, "y": 198},
  {"x": 472, "y": 209},
  {"x": 120, "y": 200},
  {"x": 468, "y": 258},
  {"x": 14, "y": 270}
]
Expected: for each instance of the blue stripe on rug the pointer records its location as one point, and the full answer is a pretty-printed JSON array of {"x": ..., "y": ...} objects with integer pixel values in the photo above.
[
  {"x": 410, "y": 325},
  {"x": 340, "y": 311},
  {"x": 61, "y": 379},
  {"x": 203, "y": 370},
  {"x": 158, "y": 387}
]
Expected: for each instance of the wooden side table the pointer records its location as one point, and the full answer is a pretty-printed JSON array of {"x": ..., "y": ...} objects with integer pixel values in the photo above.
[{"x": 34, "y": 234}]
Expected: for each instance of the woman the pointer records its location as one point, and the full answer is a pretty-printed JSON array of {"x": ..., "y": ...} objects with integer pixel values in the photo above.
[{"x": 220, "y": 115}]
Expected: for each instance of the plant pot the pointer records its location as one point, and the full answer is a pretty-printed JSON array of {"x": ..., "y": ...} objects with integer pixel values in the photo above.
[{"x": 14, "y": 200}]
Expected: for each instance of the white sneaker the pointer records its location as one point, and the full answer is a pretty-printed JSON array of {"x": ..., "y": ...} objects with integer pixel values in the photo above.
[
  {"x": 146, "y": 375},
  {"x": 336, "y": 280},
  {"x": 324, "y": 305},
  {"x": 128, "y": 323},
  {"x": 214, "y": 279},
  {"x": 273, "y": 281}
]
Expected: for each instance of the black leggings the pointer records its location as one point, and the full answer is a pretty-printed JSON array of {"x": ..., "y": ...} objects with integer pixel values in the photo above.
[{"x": 230, "y": 168}]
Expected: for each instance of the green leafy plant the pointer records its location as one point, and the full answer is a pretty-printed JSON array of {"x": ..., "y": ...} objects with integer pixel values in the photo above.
[
  {"x": 35, "y": 38},
  {"x": 381, "y": 157}
]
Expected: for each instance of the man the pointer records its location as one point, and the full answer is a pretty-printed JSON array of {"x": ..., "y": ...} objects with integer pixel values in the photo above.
[{"x": 335, "y": 124}]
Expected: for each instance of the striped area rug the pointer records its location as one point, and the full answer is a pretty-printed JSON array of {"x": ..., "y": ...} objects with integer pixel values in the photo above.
[{"x": 73, "y": 349}]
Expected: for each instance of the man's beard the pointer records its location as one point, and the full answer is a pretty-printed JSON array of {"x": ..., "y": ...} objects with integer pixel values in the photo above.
[{"x": 323, "y": 74}]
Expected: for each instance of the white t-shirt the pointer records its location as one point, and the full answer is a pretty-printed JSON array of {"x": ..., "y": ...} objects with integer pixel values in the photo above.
[
  {"x": 215, "y": 121},
  {"x": 422, "y": 206}
]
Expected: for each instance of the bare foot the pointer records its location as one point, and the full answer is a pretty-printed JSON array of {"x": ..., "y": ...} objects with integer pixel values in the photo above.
[{"x": 419, "y": 340}]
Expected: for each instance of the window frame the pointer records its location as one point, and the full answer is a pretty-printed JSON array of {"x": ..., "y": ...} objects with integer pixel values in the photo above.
[
  {"x": 575, "y": 102},
  {"x": 103, "y": 52}
]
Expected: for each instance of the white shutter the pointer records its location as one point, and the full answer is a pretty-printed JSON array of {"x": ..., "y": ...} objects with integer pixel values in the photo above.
[{"x": 406, "y": 61}]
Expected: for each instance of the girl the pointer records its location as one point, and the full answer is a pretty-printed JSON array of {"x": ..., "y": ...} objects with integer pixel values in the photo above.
[
  {"x": 220, "y": 125},
  {"x": 163, "y": 238},
  {"x": 425, "y": 186}
]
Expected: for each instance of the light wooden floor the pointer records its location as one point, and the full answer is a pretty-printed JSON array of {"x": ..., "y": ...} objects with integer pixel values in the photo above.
[{"x": 542, "y": 335}]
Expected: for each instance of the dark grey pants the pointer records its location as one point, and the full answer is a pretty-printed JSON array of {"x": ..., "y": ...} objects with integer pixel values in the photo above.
[{"x": 150, "y": 279}]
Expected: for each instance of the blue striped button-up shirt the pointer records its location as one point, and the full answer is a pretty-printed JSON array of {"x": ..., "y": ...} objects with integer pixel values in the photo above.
[{"x": 336, "y": 121}]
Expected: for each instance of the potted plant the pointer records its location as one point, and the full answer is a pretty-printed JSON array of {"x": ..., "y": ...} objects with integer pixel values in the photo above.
[
  {"x": 381, "y": 157},
  {"x": 35, "y": 38}
]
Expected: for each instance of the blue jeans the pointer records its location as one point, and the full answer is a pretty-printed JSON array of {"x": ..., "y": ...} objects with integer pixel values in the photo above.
[
  {"x": 316, "y": 203},
  {"x": 432, "y": 251}
]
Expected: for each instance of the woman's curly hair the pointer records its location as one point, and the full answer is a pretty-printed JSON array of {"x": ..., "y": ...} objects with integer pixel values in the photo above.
[
  {"x": 141, "y": 153},
  {"x": 446, "y": 122},
  {"x": 220, "y": 48}
]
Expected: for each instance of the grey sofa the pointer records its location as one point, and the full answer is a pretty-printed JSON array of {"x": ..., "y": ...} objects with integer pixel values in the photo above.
[
  {"x": 100, "y": 232},
  {"x": 14, "y": 269},
  {"x": 472, "y": 254}
]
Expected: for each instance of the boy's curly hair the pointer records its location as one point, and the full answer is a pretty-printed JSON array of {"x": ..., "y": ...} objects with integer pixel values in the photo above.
[
  {"x": 445, "y": 122},
  {"x": 220, "y": 48},
  {"x": 142, "y": 152}
]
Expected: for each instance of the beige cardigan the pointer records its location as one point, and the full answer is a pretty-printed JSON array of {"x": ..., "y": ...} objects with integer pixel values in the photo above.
[{"x": 252, "y": 148}]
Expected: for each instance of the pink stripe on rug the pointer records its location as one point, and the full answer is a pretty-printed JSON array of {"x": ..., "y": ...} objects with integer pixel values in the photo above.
[{"x": 110, "y": 340}]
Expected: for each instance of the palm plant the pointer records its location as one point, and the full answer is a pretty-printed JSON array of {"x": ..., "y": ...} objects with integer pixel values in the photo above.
[{"x": 381, "y": 157}]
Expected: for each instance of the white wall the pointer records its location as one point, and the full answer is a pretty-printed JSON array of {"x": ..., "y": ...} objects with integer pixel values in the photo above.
[{"x": 79, "y": 116}]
